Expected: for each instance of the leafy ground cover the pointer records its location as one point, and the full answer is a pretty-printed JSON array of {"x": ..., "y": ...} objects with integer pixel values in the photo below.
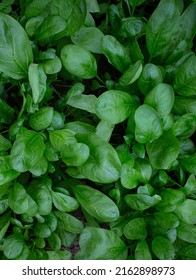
[{"x": 97, "y": 124}]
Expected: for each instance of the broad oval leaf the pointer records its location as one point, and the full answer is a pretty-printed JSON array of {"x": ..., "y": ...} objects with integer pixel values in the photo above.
[
  {"x": 100, "y": 244},
  {"x": 161, "y": 98},
  {"x": 135, "y": 229},
  {"x": 96, "y": 204},
  {"x": 141, "y": 202},
  {"x": 18, "y": 199},
  {"x": 186, "y": 211},
  {"x": 103, "y": 164},
  {"x": 114, "y": 106},
  {"x": 185, "y": 79},
  {"x": 15, "y": 48},
  {"x": 148, "y": 124},
  {"x": 75, "y": 154},
  {"x": 70, "y": 223},
  {"x": 163, "y": 151},
  {"x": 163, "y": 248},
  {"x": 187, "y": 233},
  {"x": 13, "y": 245},
  {"x": 41, "y": 119},
  {"x": 63, "y": 202},
  {"x": 142, "y": 251},
  {"x": 79, "y": 61},
  {"x": 5, "y": 144},
  {"x": 59, "y": 138},
  {"x": 131, "y": 74},
  {"x": 185, "y": 126},
  {"x": 88, "y": 38}
]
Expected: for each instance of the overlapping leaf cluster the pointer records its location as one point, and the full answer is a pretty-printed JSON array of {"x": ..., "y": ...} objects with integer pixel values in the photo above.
[{"x": 97, "y": 121}]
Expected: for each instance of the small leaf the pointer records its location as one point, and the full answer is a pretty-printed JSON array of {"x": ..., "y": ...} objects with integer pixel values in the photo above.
[
  {"x": 135, "y": 229},
  {"x": 41, "y": 119},
  {"x": 64, "y": 202},
  {"x": 75, "y": 154},
  {"x": 163, "y": 248},
  {"x": 131, "y": 74},
  {"x": 13, "y": 245},
  {"x": 79, "y": 62},
  {"x": 96, "y": 204},
  {"x": 142, "y": 251}
]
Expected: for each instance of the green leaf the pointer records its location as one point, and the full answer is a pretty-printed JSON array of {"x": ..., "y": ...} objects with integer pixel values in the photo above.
[
  {"x": 163, "y": 248},
  {"x": 5, "y": 144},
  {"x": 100, "y": 244},
  {"x": 132, "y": 27},
  {"x": 96, "y": 204},
  {"x": 64, "y": 202},
  {"x": 75, "y": 154},
  {"x": 171, "y": 197},
  {"x": 79, "y": 62},
  {"x": 187, "y": 233},
  {"x": 6, "y": 112},
  {"x": 70, "y": 223},
  {"x": 18, "y": 199},
  {"x": 88, "y": 38},
  {"x": 141, "y": 202},
  {"x": 41, "y": 119},
  {"x": 13, "y": 245},
  {"x": 115, "y": 53},
  {"x": 15, "y": 48},
  {"x": 184, "y": 105},
  {"x": 185, "y": 126},
  {"x": 190, "y": 186},
  {"x": 187, "y": 252},
  {"x": 103, "y": 164},
  {"x": 4, "y": 224},
  {"x": 83, "y": 102},
  {"x": 42, "y": 230},
  {"x": 150, "y": 77},
  {"x": 167, "y": 220},
  {"x": 59, "y": 255},
  {"x": 186, "y": 211},
  {"x": 163, "y": 151},
  {"x": 185, "y": 78},
  {"x": 7, "y": 174},
  {"x": 51, "y": 26},
  {"x": 52, "y": 66},
  {"x": 37, "y": 81},
  {"x": 161, "y": 98},
  {"x": 189, "y": 163},
  {"x": 142, "y": 251},
  {"x": 54, "y": 241},
  {"x": 114, "y": 106},
  {"x": 148, "y": 124},
  {"x": 135, "y": 229},
  {"x": 27, "y": 153},
  {"x": 59, "y": 138},
  {"x": 162, "y": 27},
  {"x": 131, "y": 74},
  {"x": 130, "y": 177}
]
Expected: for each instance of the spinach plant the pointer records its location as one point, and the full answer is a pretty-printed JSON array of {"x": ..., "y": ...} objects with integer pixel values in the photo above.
[{"x": 97, "y": 127}]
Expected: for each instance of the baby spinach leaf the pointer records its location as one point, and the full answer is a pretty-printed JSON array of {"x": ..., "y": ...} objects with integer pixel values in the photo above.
[
  {"x": 41, "y": 119},
  {"x": 5, "y": 144},
  {"x": 189, "y": 163},
  {"x": 161, "y": 98},
  {"x": 27, "y": 152},
  {"x": 4, "y": 224},
  {"x": 131, "y": 74},
  {"x": 185, "y": 78},
  {"x": 162, "y": 27},
  {"x": 184, "y": 105},
  {"x": 186, "y": 211},
  {"x": 70, "y": 223},
  {"x": 150, "y": 77},
  {"x": 103, "y": 164},
  {"x": 64, "y": 202},
  {"x": 187, "y": 232},
  {"x": 42, "y": 230},
  {"x": 142, "y": 251},
  {"x": 130, "y": 177},
  {"x": 59, "y": 255},
  {"x": 185, "y": 126},
  {"x": 100, "y": 244},
  {"x": 83, "y": 102},
  {"x": 88, "y": 38},
  {"x": 6, "y": 112},
  {"x": 37, "y": 80},
  {"x": 141, "y": 202},
  {"x": 114, "y": 106},
  {"x": 132, "y": 27},
  {"x": 163, "y": 151},
  {"x": 167, "y": 220},
  {"x": 15, "y": 49},
  {"x": 115, "y": 53},
  {"x": 135, "y": 229},
  {"x": 52, "y": 66},
  {"x": 163, "y": 248},
  {"x": 96, "y": 204},
  {"x": 59, "y": 138},
  {"x": 13, "y": 245},
  {"x": 148, "y": 124},
  {"x": 79, "y": 61},
  {"x": 75, "y": 154},
  {"x": 18, "y": 199},
  {"x": 7, "y": 174}
]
